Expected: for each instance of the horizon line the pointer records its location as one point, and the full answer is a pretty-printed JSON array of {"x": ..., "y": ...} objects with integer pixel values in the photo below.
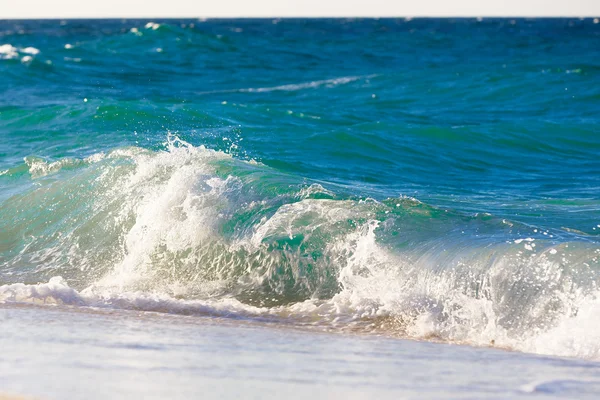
[{"x": 264, "y": 9}]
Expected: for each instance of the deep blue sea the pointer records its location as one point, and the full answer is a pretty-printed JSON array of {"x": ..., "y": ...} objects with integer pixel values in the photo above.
[{"x": 434, "y": 179}]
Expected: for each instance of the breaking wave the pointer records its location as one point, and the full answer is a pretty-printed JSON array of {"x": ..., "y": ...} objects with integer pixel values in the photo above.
[{"x": 194, "y": 231}]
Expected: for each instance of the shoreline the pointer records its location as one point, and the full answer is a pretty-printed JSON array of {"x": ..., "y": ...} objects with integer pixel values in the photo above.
[{"x": 99, "y": 356}]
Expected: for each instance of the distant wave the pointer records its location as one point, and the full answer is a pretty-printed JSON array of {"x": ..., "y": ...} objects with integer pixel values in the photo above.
[{"x": 295, "y": 86}]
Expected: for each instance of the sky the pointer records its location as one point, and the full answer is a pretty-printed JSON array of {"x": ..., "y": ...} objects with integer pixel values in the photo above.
[{"x": 293, "y": 8}]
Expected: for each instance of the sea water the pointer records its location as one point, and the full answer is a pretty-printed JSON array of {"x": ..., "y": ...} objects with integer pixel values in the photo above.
[
  {"x": 55, "y": 353},
  {"x": 404, "y": 185}
]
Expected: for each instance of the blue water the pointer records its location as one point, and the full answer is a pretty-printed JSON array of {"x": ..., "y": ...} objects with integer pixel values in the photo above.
[{"x": 429, "y": 178}]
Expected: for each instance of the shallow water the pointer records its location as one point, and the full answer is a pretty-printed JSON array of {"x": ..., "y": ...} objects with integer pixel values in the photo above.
[
  {"x": 54, "y": 353},
  {"x": 430, "y": 179}
]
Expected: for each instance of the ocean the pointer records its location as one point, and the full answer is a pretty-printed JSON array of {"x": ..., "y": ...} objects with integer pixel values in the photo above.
[{"x": 403, "y": 208}]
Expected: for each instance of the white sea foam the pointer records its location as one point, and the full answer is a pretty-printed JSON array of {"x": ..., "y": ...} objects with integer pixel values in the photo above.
[
  {"x": 307, "y": 85},
  {"x": 314, "y": 189},
  {"x": 30, "y": 50},
  {"x": 58, "y": 292},
  {"x": 7, "y": 51},
  {"x": 174, "y": 213},
  {"x": 330, "y": 83},
  {"x": 38, "y": 167},
  {"x": 152, "y": 25}
]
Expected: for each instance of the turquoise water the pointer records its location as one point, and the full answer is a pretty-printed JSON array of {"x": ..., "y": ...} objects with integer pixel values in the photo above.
[{"x": 430, "y": 178}]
